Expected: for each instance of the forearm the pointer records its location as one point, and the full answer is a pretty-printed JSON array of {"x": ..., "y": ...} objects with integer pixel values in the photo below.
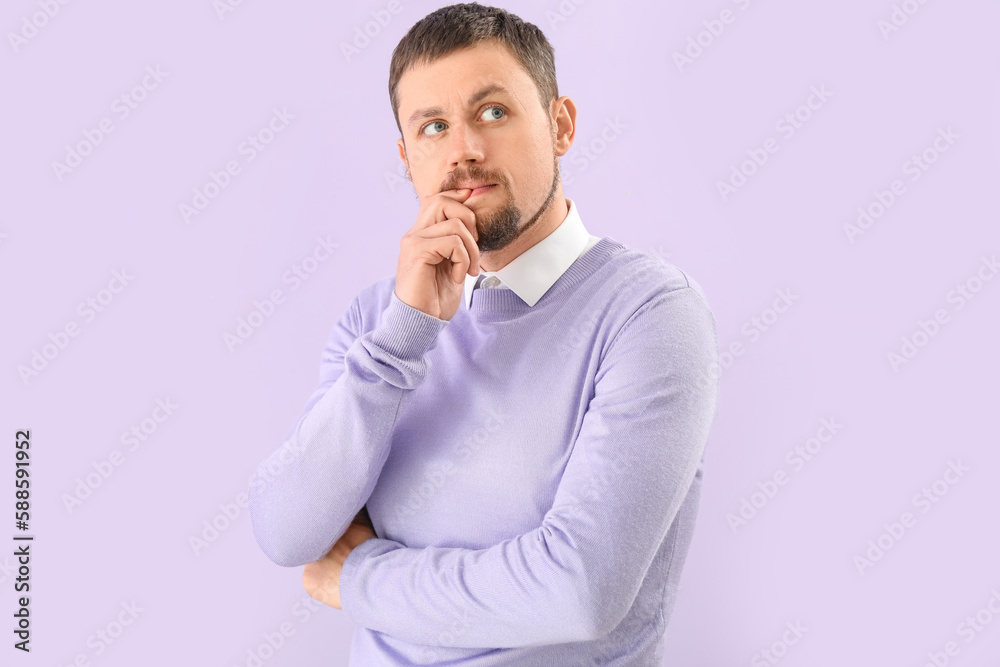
[
  {"x": 306, "y": 493},
  {"x": 512, "y": 594}
]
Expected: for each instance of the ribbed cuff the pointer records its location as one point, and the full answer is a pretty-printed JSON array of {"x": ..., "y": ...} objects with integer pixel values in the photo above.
[{"x": 406, "y": 332}]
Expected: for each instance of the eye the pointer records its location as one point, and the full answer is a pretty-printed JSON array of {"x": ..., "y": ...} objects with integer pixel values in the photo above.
[
  {"x": 491, "y": 114},
  {"x": 423, "y": 130},
  {"x": 489, "y": 111}
]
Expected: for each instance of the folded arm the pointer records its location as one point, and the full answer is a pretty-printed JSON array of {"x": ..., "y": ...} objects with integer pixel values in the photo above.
[{"x": 575, "y": 577}]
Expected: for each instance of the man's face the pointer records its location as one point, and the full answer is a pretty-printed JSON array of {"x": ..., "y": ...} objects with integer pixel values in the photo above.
[{"x": 474, "y": 117}]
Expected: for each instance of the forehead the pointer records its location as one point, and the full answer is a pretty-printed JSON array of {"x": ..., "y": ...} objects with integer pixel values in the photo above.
[{"x": 455, "y": 78}]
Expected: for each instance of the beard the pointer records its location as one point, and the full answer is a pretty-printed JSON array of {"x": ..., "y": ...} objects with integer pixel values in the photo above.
[{"x": 502, "y": 226}]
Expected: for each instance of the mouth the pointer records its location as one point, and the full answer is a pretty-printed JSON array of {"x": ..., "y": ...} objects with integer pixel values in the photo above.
[{"x": 480, "y": 190}]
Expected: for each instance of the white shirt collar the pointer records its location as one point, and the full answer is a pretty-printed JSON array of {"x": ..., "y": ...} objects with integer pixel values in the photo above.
[{"x": 534, "y": 271}]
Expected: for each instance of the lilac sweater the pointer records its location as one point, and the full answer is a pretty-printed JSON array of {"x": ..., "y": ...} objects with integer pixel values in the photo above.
[{"x": 532, "y": 473}]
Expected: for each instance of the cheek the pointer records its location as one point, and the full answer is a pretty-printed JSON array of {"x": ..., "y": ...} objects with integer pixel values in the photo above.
[
  {"x": 537, "y": 168},
  {"x": 427, "y": 182}
]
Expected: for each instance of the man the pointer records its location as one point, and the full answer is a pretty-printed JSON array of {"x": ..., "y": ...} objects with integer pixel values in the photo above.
[{"x": 521, "y": 410}]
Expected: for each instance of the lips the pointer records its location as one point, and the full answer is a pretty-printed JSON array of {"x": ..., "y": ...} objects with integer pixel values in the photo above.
[{"x": 480, "y": 190}]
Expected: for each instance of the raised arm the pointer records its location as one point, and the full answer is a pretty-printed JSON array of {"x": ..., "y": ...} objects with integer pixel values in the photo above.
[
  {"x": 328, "y": 465},
  {"x": 306, "y": 493}
]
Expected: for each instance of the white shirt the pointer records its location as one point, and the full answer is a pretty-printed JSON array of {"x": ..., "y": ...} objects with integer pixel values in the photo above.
[{"x": 534, "y": 271}]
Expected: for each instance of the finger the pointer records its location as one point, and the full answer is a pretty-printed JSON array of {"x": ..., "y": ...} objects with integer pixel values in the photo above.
[
  {"x": 436, "y": 250},
  {"x": 457, "y": 228},
  {"x": 445, "y": 206},
  {"x": 460, "y": 260},
  {"x": 460, "y": 194},
  {"x": 453, "y": 209},
  {"x": 454, "y": 195},
  {"x": 454, "y": 251}
]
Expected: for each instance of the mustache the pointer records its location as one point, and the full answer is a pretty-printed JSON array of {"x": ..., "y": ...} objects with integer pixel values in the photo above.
[{"x": 472, "y": 175}]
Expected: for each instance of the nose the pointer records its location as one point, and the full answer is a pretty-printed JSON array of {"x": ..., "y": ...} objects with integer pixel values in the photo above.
[{"x": 465, "y": 145}]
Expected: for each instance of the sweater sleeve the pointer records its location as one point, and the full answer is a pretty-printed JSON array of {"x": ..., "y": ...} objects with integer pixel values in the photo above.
[
  {"x": 575, "y": 577},
  {"x": 304, "y": 495}
]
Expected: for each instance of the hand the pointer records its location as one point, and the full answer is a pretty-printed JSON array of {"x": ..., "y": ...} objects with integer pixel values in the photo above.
[
  {"x": 436, "y": 254},
  {"x": 322, "y": 578}
]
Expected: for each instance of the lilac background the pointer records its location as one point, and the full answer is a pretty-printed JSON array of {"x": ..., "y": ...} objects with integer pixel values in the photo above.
[{"x": 334, "y": 172}]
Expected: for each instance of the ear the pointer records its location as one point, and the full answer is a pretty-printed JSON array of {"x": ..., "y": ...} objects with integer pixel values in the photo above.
[
  {"x": 402, "y": 156},
  {"x": 564, "y": 115}
]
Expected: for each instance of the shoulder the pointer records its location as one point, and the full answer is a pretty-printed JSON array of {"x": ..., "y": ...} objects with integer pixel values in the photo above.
[
  {"x": 658, "y": 312},
  {"x": 639, "y": 281}
]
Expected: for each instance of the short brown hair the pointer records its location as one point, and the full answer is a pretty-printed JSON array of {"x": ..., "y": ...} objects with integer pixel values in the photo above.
[{"x": 467, "y": 24}]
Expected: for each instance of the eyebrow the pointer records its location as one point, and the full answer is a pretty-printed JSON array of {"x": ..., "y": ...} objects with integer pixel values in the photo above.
[{"x": 430, "y": 112}]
